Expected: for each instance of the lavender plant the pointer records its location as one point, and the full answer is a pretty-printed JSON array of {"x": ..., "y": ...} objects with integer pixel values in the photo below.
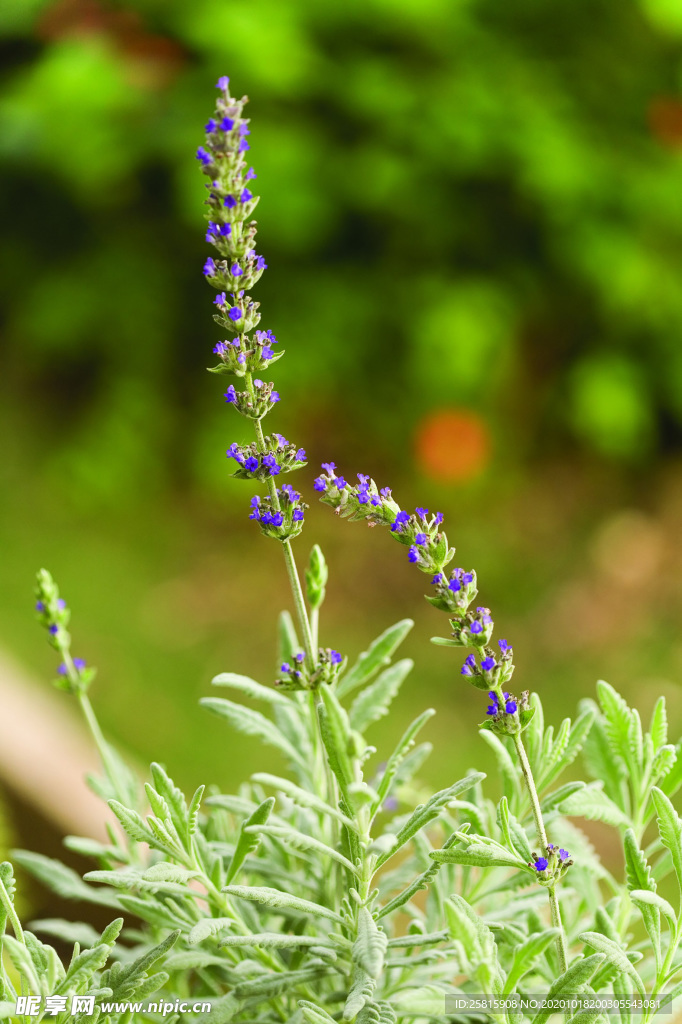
[{"x": 325, "y": 895}]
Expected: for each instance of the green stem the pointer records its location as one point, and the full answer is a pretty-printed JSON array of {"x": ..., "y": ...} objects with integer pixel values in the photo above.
[
  {"x": 555, "y": 910},
  {"x": 11, "y": 913}
]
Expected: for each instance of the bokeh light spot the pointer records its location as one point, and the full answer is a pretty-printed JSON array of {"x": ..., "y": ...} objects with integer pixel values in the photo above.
[{"x": 452, "y": 445}]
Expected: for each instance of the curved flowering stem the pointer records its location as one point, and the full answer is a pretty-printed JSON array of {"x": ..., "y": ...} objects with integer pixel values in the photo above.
[
  {"x": 454, "y": 591},
  {"x": 250, "y": 352}
]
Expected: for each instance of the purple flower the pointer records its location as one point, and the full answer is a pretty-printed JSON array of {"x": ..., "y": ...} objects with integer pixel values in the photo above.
[
  {"x": 504, "y": 646},
  {"x": 267, "y": 353},
  {"x": 438, "y": 519},
  {"x": 421, "y": 538},
  {"x": 220, "y": 299},
  {"x": 205, "y": 157},
  {"x": 251, "y": 464},
  {"x": 329, "y": 467},
  {"x": 300, "y": 657},
  {"x": 319, "y": 483},
  {"x": 466, "y": 671},
  {"x": 286, "y": 667},
  {"x": 40, "y": 607},
  {"x": 244, "y": 129},
  {"x": 235, "y": 313},
  {"x": 271, "y": 462},
  {"x": 563, "y": 855},
  {"x": 261, "y": 264},
  {"x": 340, "y": 483},
  {"x": 62, "y": 670},
  {"x": 277, "y": 519},
  {"x": 297, "y": 517},
  {"x": 488, "y": 664},
  {"x": 223, "y": 83},
  {"x": 438, "y": 578},
  {"x": 510, "y": 707},
  {"x": 245, "y": 196},
  {"x": 385, "y": 492},
  {"x": 492, "y": 709},
  {"x": 281, "y": 440},
  {"x": 470, "y": 660},
  {"x": 236, "y": 270},
  {"x": 335, "y": 658},
  {"x": 485, "y": 615},
  {"x": 300, "y": 455},
  {"x": 230, "y": 202},
  {"x": 400, "y": 519},
  {"x": 79, "y": 664},
  {"x": 364, "y": 479},
  {"x": 243, "y": 145},
  {"x": 53, "y": 629},
  {"x": 476, "y": 627},
  {"x": 230, "y": 395},
  {"x": 209, "y": 267},
  {"x": 541, "y": 864},
  {"x": 274, "y": 397},
  {"x": 227, "y": 124},
  {"x": 250, "y": 174},
  {"x": 363, "y": 495},
  {"x": 421, "y": 512},
  {"x": 454, "y": 585},
  {"x": 413, "y": 554}
]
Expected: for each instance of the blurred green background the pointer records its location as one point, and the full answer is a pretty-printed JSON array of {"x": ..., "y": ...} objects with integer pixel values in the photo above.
[{"x": 472, "y": 216}]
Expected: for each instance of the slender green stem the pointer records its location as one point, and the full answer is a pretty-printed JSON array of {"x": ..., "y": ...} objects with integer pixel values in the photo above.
[
  {"x": 554, "y": 907},
  {"x": 11, "y": 913}
]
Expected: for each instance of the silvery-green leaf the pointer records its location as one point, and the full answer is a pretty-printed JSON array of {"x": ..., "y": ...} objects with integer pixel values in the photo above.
[
  {"x": 209, "y": 927},
  {"x": 314, "y": 1014},
  {"x": 361, "y": 990},
  {"x": 248, "y": 841},
  {"x": 303, "y": 797},
  {"x": 274, "y": 940},
  {"x": 670, "y": 829},
  {"x": 336, "y": 736},
  {"x": 276, "y": 899},
  {"x": 646, "y": 898},
  {"x": 374, "y": 701},
  {"x": 271, "y": 985},
  {"x": 369, "y": 948},
  {"x": 62, "y": 880},
  {"x": 614, "y": 955},
  {"x": 375, "y": 657},
  {"x": 67, "y": 931},
  {"x": 658, "y": 728},
  {"x": 404, "y": 746},
  {"x": 253, "y": 723},
  {"x": 300, "y": 841},
  {"x": 526, "y": 954},
  {"x": 566, "y": 747},
  {"x": 593, "y": 803},
  {"x": 572, "y": 982},
  {"x": 250, "y": 688}
]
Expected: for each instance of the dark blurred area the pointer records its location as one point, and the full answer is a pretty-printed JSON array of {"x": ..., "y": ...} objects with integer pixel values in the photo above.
[{"x": 472, "y": 218}]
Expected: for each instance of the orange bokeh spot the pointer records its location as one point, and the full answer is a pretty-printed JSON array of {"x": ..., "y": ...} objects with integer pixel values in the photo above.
[
  {"x": 665, "y": 121},
  {"x": 452, "y": 445}
]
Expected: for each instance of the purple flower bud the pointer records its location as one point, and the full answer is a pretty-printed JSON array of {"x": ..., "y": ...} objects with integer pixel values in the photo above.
[
  {"x": 271, "y": 462},
  {"x": 40, "y": 607},
  {"x": 492, "y": 709},
  {"x": 220, "y": 299},
  {"x": 510, "y": 707},
  {"x": 79, "y": 664},
  {"x": 209, "y": 267},
  {"x": 400, "y": 519},
  {"x": 53, "y": 629},
  {"x": 421, "y": 538},
  {"x": 476, "y": 628},
  {"x": 251, "y": 464},
  {"x": 413, "y": 554},
  {"x": 541, "y": 864},
  {"x": 227, "y": 124},
  {"x": 340, "y": 483},
  {"x": 261, "y": 264},
  {"x": 223, "y": 83},
  {"x": 243, "y": 146},
  {"x": 467, "y": 577},
  {"x": 274, "y": 397},
  {"x": 297, "y": 517},
  {"x": 385, "y": 492},
  {"x": 235, "y": 313},
  {"x": 62, "y": 670},
  {"x": 205, "y": 157},
  {"x": 438, "y": 578},
  {"x": 300, "y": 657},
  {"x": 466, "y": 671},
  {"x": 300, "y": 455},
  {"x": 470, "y": 660},
  {"x": 319, "y": 483},
  {"x": 210, "y": 125},
  {"x": 438, "y": 519},
  {"x": 504, "y": 646},
  {"x": 236, "y": 270},
  {"x": 250, "y": 174},
  {"x": 329, "y": 467},
  {"x": 281, "y": 440},
  {"x": 267, "y": 352},
  {"x": 244, "y": 129},
  {"x": 455, "y": 586},
  {"x": 421, "y": 512},
  {"x": 335, "y": 658},
  {"x": 230, "y": 202},
  {"x": 286, "y": 667},
  {"x": 488, "y": 664},
  {"x": 277, "y": 519},
  {"x": 563, "y": 855},
  {"x": 230, "y": 395},
  {"x": 246, "y": 195}
]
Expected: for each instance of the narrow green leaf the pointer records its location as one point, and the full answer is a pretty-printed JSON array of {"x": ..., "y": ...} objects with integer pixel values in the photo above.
[
  {"x": 593, "y": 803},
  {"x": 393, "y": 764},
  {"x": 658, "y": 728},
  {"x": 614, "y": 955},
  {"x": 335, "y": 732},
  {"x": 670, "y": 829},
  {"x": 566, "y": 748},
  {"x": 303, "y": 797},
  {"x": 62, "y": 880},
  {"x": 314, "y": 1014},
  {"x": 247, "y": 841},
  {"x": 479, "y": 855},
  {"x": 253, "y": 723},
  {"x": 250, "y": 688},
  {"x": 300, "y": 841},
  {"x": 645, "y": 898},
  {"x": 275, "y": 940},
  {"x": 280, "y": 900},
  {"x": 369, "y": 948},
  {"x": 375, "y": 657},
  {"x": 526, "y": 955},
  {"x": 374, "y": 701},
  {"x": 570, "y": 983}
]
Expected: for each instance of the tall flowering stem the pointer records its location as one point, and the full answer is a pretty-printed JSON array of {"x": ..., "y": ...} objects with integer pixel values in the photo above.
[
  {"x": 487, "y": 668},
  {"x": 248, "y": 353}
]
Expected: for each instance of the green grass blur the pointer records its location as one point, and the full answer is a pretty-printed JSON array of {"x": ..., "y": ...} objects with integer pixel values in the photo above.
[{"x": 472, "y": 217}]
